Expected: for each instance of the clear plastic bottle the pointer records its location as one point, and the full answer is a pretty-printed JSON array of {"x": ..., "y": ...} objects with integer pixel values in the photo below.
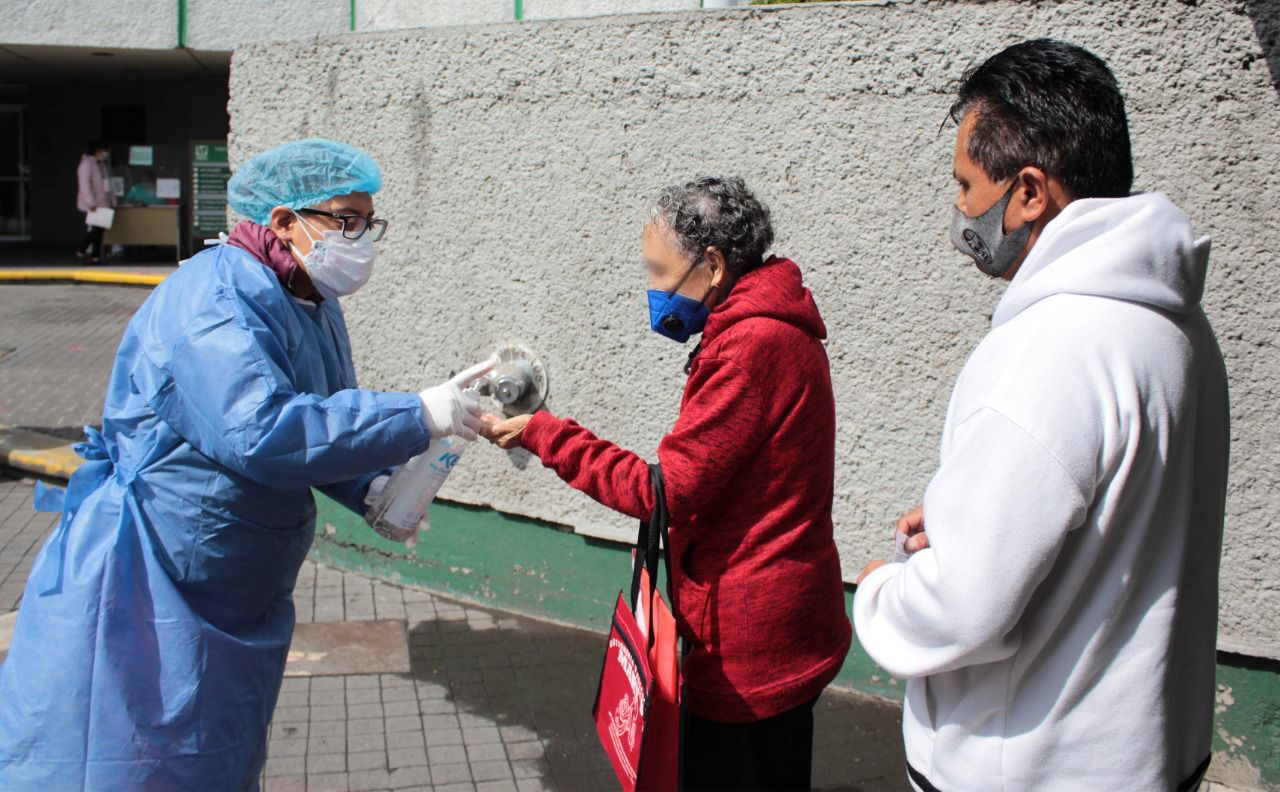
[{"x": 396, "y": 511}]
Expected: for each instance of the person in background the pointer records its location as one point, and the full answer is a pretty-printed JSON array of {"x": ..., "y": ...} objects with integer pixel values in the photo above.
[
  {"x": 749, "y": 469},
  {"x": 154, "y": 628},
  {"x": 1056, "y": 617},
  {"x": 144, "y": 192},
  {"x": 93, "y": 191}
]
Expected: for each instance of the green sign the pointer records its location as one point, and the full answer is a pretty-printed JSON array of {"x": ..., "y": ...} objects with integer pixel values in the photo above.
[
  {"x": 210, "y": 153},
  {"x": 209, "y": 174}
]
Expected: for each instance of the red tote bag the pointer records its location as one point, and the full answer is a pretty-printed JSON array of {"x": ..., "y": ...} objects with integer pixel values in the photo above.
[{"x": 637, "y": 707}]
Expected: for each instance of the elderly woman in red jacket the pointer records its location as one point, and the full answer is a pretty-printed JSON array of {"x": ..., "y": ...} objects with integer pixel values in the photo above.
[{"x": 749, "y": 470}]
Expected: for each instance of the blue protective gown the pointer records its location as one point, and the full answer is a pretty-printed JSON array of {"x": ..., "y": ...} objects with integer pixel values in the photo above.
[{"x": 152, "y": 638}]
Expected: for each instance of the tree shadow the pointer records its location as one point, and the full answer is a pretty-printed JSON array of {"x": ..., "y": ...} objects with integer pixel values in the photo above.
[
  {"x": 537, "y": 681},
  {"x": 1265, "y": 15}
]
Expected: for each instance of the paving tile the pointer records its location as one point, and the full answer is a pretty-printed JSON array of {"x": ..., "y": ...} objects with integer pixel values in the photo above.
[
  {"x": 367, "y": 742},
  {"x": 446, "y": 754},
  {"x": 490, "y": 770},
  {"x": 328, "y": 782},
  {"x": 279, "y": 748},
  {"x": 296, "y": 783},
  {"x": 368, "y": 780},
  {"x": 403, "y": 723},
  {"x": 405, "y": 739},
  {"x": 365, "y": 726},
  {"x": 398, "y": 708},
  {"x": 486, "y": 752},
  {"x": 328, "y": 728},
  {"x": 326, "y": 762},
  {"x": 480, "y": 734},
  {"x": 531, "y": 768},
  {"x": 449, "y": 773},
  {"x": 404, "y": 777},
  {"x": 443, "y": 737},
  {"x": 329, "y": 713},
  {"x": 286, "y": 765},
  {"x": 367, "y": 760},
  {"x": 406, "y": 757},
  {"x": 360, "y": 711}
]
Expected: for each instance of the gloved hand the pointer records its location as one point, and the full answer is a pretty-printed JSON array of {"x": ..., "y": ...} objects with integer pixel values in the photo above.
[{"x": 452, "y": 409}]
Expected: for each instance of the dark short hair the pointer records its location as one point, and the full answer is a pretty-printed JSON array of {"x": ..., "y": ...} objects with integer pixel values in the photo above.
[
  {"x": 94, "y": 146},
  {"x": 1054, "y": 106},
  {"x": 716, "y": 212}
]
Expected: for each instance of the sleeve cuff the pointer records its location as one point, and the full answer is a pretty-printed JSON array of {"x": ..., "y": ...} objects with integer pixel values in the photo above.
[{"x": 537, "y": 432}]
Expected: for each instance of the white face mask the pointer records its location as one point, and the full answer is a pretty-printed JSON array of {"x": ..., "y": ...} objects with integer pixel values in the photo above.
[{"x": 337, "y": 266}]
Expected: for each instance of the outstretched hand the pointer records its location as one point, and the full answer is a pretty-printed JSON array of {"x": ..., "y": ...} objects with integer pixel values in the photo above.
[{"x": 504, "y": 433}]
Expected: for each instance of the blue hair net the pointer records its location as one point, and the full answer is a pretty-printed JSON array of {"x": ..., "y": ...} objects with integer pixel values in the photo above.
[{"x": 298, "y": 174}]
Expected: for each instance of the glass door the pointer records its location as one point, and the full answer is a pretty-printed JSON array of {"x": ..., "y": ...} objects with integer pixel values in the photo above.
[{"x": 14, "y": 173}]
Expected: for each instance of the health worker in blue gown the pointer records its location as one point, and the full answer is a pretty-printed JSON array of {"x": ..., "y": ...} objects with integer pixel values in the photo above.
[{"x": 151, "y": 641}]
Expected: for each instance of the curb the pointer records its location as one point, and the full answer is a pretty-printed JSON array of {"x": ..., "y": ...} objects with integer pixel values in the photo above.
[
  {"x": 36, "y": 453},
  {"x": 80, "y": 276}
]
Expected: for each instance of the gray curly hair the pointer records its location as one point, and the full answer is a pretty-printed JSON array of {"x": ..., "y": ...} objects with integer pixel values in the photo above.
[{"x": 719, "y": 212}]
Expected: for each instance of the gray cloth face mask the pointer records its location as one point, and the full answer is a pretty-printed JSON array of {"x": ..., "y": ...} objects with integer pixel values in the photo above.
[{"x": 983, "y": 239}]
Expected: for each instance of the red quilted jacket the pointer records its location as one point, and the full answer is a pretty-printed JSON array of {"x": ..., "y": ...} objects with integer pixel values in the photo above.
[{"x": 749, "y": 469}]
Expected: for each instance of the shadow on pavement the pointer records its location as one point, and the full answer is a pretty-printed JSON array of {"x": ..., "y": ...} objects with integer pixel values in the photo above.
[{"x": 528, "y": 677}]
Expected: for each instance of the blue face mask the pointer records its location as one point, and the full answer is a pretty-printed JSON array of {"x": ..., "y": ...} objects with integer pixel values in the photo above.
[{"x": 676, "y": 316}]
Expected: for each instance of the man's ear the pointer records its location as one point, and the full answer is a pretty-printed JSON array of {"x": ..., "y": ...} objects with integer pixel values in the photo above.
[
  {"x": 281, "y": 222},
  {"x": 719, "y": 268},
  {"x": 1032, "y": 197}
]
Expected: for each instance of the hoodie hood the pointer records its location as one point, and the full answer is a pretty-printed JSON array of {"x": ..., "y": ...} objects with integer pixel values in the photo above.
[
  {"x": 1139, "y": 249},
  {"x": 774, "y": 290}
]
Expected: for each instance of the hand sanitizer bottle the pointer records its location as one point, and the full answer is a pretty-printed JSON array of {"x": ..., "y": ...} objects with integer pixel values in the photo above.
[{"x": 396, "y": 511}]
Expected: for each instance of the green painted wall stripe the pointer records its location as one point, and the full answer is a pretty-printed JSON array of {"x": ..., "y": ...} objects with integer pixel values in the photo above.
[
  {"x": 519, "y": 10},
  {"x": 1246, "y": 740},
  {"x": 530, "y": 567},
  {"x": 182, "y": 24}
]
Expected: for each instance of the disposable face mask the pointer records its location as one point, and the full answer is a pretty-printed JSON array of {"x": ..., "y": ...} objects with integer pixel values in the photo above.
[
  {"x": 983, "y": 239},
  {"x": 336, "y": 265},
  {"x": 676, "y": 316}
]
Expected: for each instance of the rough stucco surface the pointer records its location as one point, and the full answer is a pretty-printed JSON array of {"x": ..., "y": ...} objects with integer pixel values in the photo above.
[
  {"x": 374, "y": 15},
  {"x": 220, "y": 25},
  {"x": 132, "y": 24},
  {"x": 396, "y": 14},
  {"x": 518, "y": 158},
  {"x": 551, "y": 9}
]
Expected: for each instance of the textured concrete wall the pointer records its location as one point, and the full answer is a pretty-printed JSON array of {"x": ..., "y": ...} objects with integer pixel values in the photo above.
[
  {"x": 218, "y": 25},
  {"x": 134, "y": 24},
  {"x": 519, "y": 156},
  {"x": 221, "y": 25},
  {"x": 554, "y": 9},
  {"x": 399, "y": 14}
]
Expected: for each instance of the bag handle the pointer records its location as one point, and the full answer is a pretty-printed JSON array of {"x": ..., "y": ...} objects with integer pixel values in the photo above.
[{"x": 652, "y": 532}]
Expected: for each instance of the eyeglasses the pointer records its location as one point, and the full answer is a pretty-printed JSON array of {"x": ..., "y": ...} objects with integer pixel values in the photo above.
[{"x": 354, "y": 225}]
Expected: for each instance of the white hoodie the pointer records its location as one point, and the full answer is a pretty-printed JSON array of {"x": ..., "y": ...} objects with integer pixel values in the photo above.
[{"x": 1059, "y": 632}]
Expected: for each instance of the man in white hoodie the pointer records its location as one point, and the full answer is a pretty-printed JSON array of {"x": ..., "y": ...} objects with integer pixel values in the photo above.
[{"x": 1057, "y": 619}]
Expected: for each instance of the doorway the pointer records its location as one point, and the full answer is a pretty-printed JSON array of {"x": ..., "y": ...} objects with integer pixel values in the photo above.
[{"x": 15, "y": 173}]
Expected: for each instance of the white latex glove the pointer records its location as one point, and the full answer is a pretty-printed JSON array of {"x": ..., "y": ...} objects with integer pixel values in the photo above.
[{"x": 452, "y": 409}]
